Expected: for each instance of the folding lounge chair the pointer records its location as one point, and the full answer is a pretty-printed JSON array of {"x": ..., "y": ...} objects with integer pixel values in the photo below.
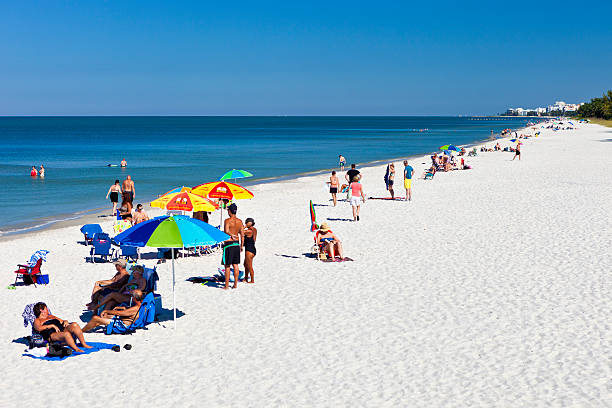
[
  {"x": 32, "y": 272},
  {"x": 322, "y": 254},
  {"x": 146, "y": 315},
  {"x": 89, "y": 230},
  {"x": 101, "y": 243},
  {"x": 429, "y": 175},
  {"x": 127, "y": 251}
]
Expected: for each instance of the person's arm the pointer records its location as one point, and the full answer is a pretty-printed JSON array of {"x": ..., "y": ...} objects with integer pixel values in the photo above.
[
  {"x": 124, "y": 312},
  {"x": 109, "y": 191},
  {"x": 241, "y": 236},
  {"x": 254, "y": 234},
  {"x": 318, "y": 240},
  {"x": 363, "y": 194},
  {"x": 133, "y": 190}
]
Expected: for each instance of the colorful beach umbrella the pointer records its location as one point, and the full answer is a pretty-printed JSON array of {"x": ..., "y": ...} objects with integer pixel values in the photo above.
[
  {"x": 235, "y": 174},
  {"x": 449, "y": 147},
  {"x": 313, "y": 218},
  {"x": 222, "y": 189},
  {"x": 180, "y": 189},
  {"x": 175, "y": 231},
  {"x": 185, "y": 201}
]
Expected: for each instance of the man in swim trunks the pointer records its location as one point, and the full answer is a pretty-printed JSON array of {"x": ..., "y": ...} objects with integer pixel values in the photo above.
[
  {"x": 123, "y": 163},
  {"x": 129, "y": 192},
  {"x": 408, "y": 173},
  {"x": 232, "y": 247},
  {"x": 342, "y": 162}
]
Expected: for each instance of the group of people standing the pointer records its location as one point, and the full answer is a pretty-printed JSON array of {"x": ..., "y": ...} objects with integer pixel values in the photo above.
[
  {"x": 354, "y": 188},
  {"x": 242, "y": 239},
  {"x": 40, "y": 173},
  {"x": 127, "y": 190}
]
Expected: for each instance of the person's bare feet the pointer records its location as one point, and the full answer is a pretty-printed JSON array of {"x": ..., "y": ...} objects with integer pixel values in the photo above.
[
  {"x": 225, "y": 287},
  {"x": 78, "y": 350},
  {"x": 86, "y": 345},
  {"x": 235, "y": 286}
]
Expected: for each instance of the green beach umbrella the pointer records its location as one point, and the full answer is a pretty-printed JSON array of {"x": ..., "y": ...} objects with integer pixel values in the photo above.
[{"x": 235, "y": 174}]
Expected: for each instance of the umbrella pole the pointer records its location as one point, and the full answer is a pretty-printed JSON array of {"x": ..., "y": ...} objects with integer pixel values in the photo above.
[{"x": 173, "y": 291}]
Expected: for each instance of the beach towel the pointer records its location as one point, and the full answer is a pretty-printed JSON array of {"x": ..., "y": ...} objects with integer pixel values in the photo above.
[
  {"x": 120, "y": 226},
  {"x": 36, "y": 353},
  {"x": 40, "y": 254},
  {"x": 28, "y": 314}
]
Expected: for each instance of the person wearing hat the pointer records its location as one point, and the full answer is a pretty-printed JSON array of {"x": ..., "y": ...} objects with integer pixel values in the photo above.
[
  {"x": 233, "y": 227},
  {"x": 104, "y": 287},
  {"x": 329, "y": 241}
]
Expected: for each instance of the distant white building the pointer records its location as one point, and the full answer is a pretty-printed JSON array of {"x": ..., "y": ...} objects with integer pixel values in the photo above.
[{"x": 564, "y": 107}]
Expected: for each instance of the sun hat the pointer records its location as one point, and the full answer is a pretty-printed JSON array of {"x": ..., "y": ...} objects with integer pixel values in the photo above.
[
  {"x": 120, "y": 262},
  {"x": 324, "y": 227}
]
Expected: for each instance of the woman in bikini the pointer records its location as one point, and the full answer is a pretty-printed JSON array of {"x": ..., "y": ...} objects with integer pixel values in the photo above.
[
  {"x": 333, "y": 186},
  {"x": 52, "y": 328},
  {"x": 391, "y": 180},
  {"x": 250, "y": 236},
  {"x": 114, "y": 191}
]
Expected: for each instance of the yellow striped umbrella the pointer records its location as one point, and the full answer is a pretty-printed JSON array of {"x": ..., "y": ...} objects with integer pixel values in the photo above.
[
  {"x": 222, "y": 189},
  {"x": 184, "y": 201}
]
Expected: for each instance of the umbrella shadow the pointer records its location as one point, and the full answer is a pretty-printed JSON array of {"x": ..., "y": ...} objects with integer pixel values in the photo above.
[
  {"x": 338, "y": 219},
  {"x": 209, "y": 281},
  {"x": 168, "y": 315}
]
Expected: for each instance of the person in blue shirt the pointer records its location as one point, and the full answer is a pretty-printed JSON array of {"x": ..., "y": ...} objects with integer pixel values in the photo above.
[{"x": 408, "y": 172}]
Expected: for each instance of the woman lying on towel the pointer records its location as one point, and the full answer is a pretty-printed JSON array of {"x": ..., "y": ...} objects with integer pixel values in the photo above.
[
  {"x": 124, "y": 294},
  {"x": 128, "y": 314},
  {"x": 52, "y": 328},
  {"x": 330, "y": 241}
]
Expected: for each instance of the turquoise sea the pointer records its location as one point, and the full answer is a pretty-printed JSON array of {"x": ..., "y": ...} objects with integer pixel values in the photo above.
[{"x": 165, "y": 152}]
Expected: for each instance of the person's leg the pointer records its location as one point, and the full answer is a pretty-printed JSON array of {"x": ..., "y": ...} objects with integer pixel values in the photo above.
[
  {"x": 66, "y": 338},
  {"x": 227, "y": 272},
  {"x": 354, "y": 215},
  {"x": 410, "y": 194},
  {"x": 95, "y": 322},
  {"x": 74, "y": 329},
  {"x": 392, "y": 192},
  {"x": 357, "y": 210},
  {"x": 330, "y": 248},
  {"x": 248, "y": 267},
  {"x": 334, "y": 197},
  {"x": 340, "y": 252},
  {"x": 236, "y": 273}
]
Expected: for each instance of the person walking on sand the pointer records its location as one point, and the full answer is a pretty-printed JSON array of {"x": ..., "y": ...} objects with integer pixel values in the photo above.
[
  {"x": 250, "y": 236},
  {"x": 408, "y": 173},
  {"x": 517, "y": 152},
  {"x": 351, "y": 174},
  {"x": 129, "y": 192},
  {"x": 389, "y": 179},
  {"x": 342, "y": 162},
  {"x": 333, "y": 186},
  {"x": 41, "y": 172},
  {"x": 233, "y": 227},
  {"x": 113, "y": 193},
  {"x": 357, "y": 197}
]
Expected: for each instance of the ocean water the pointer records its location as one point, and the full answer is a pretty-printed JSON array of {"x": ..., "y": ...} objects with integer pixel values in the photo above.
[{"x": 165, "y": 152}]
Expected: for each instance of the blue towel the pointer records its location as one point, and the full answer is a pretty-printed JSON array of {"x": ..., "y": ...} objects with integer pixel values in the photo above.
[
  {"x": 40, "y": 254},
  {"x": 96, "y": 347}
]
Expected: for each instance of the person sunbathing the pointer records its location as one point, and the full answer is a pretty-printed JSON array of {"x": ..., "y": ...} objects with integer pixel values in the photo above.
[
  {"x": 104, "y": 287},
  {"x": 127, "y": 315},
  {"x": 330, "y": 241},
  {"x": 138, "y": 282},
  {"x": 52, "y": 328}
]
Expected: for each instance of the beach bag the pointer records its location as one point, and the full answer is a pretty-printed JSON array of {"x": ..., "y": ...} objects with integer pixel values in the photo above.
[{"x": 36, "y": 340}]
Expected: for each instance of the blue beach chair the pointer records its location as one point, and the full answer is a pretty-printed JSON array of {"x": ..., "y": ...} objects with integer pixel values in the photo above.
[
  {"x": 101, "y": 243},
  {"x": 88, "y": 231},
  {"x": 146, "y": 315},
  {"x": 127, "y": 252}
]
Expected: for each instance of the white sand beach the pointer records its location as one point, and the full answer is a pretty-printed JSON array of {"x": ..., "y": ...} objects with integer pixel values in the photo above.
[{"x": 491, "y": 288}]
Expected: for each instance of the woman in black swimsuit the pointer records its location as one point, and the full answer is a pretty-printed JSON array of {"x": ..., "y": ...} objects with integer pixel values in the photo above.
[
  {"x": 250, "y": 235},
  {"x": 114, "y": 192},
  {"x": 52, "y": 328}
]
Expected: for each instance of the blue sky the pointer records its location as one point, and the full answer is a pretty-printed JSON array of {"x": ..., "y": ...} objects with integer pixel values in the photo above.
[{"x": 285, "y": 58}]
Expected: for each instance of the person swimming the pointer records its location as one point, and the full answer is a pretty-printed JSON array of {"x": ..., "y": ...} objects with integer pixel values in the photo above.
[{"x": 123, "y": 163}]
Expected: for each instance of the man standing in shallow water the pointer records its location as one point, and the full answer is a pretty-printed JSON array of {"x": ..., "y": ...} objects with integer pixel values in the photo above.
[{"x": 232, "y": 247}]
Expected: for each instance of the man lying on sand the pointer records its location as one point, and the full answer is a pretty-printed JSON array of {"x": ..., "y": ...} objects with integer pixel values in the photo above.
[{"x": 127, "y": 315}]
